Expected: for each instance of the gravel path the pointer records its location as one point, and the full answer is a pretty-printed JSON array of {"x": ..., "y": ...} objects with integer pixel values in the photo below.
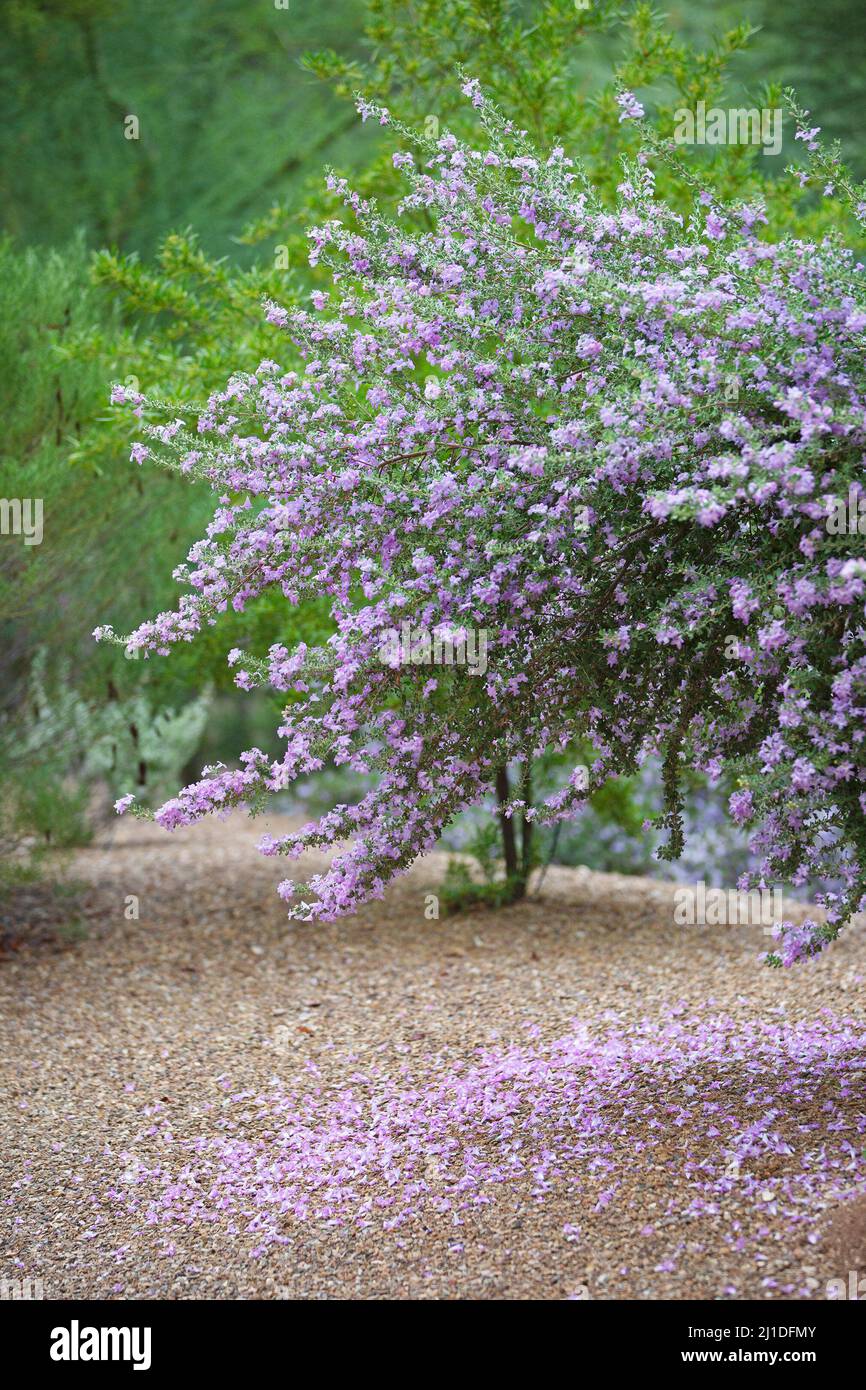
[{"x": 570, "y": 1098}]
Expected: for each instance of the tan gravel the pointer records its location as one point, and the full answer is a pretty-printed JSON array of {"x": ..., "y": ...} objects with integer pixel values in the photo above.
[{"x": 152, "y": 1012}]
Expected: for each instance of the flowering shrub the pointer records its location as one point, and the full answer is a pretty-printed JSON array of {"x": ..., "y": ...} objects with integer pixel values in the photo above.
[{"x": 611, "y": 441}]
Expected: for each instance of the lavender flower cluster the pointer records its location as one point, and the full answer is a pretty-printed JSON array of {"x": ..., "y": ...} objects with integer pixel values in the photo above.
[{"x": 689, "y": 391}]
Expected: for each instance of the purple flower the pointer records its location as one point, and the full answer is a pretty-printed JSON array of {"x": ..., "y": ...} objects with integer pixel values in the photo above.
[
  {"x": 630, "y": 107},
  {"x": 741, "y": 806}
]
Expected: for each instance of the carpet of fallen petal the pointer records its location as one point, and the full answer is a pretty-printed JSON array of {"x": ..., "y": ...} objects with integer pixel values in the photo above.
[{"x": 571, "y": 1098}]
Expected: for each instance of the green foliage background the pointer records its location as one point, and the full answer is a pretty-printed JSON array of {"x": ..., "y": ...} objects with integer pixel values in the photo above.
[{"x": 148, "y": 258}]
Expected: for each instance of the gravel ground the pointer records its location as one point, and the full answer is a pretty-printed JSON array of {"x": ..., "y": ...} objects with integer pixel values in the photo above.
[{"x": 569, "y": 1098}]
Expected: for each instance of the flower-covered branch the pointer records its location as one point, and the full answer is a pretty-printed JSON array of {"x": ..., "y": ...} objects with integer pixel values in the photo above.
[{"x": 613, "y": 442}]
